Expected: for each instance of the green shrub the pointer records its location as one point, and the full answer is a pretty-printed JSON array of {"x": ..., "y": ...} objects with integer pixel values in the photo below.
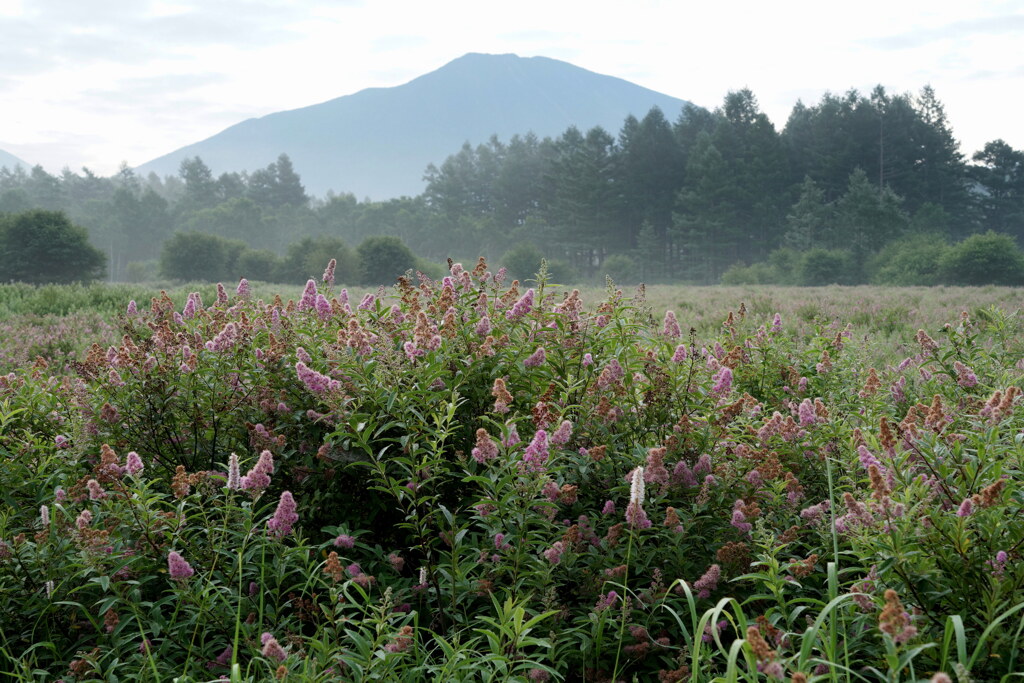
[
  {"x": 383, "y": 259},
  {"x": 913, "y": 260},
  {"x": 986, "y": 259},
  {"x": 198, "y": 257},
  {"x": 41, "y": 247}
]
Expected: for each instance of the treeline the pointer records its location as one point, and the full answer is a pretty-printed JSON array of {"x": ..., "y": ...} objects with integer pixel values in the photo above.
[
  {"x": 852, "y": 182},
  {"x": 687, "y": 201},
  {"x": 195, "y": 226}
]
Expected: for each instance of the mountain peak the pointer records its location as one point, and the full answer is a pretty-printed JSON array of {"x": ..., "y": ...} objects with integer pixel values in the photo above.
[
  {"x": 10, "y": 161},
  {"x": 377, "y": 142}
]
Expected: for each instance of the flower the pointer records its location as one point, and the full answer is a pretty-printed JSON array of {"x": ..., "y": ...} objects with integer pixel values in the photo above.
[
  {"x": 133, "y": 464},
  {"x": 280, "y": 525},
  {"x": 234, "y": 477},
  {"x": 680, "y": 354},
  {"x": 258, "y": 477},
  {"x": 723, "y": 381},
  {"x": 177, "y": 567},
  {"x": 536, "y": 358},
  {"x": 536, "y": 454},
  {"x": 344, "y": 541},
  {"x": 562, "y": 435},
  {"x": 485, "y": 448},
  {"x": 708, "y": 582},
  {"x": 243, "y": 290},
  {"x": 328, "y": 277},
  {"x": 671, "y": 328},
  {"x": 308, "y": 300},
  {"x": 521, "y": 307},
  {"x": 271, "y": 648},
  {"x": 554, "y": 553}
]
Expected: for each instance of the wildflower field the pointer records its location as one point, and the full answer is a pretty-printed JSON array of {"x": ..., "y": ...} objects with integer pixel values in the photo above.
[{"x": 476, "y": 480}]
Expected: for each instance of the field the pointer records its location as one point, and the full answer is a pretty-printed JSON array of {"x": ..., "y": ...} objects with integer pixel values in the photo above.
[{"x": 462, "y": 480}]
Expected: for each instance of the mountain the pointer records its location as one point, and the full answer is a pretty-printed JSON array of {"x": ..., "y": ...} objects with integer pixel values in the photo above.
[
  {"x": 377, "y": 142},
  {"x": 10, "y": 161}
]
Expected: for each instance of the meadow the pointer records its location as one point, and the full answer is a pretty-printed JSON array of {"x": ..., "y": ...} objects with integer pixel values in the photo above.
[{"x": 475, "y": 479}]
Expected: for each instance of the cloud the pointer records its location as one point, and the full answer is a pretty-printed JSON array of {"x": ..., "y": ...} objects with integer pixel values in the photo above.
[
  {"x": 958, "y": 30},
  {"x": 397, "y": 42},
  {"x": 59, "y": 32}
]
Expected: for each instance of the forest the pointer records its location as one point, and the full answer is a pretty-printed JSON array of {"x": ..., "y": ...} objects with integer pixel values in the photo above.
[{"x": 855, "y": 188}]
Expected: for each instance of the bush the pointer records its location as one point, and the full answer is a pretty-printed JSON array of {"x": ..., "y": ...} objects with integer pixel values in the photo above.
[
  {"x": 306, "y": 259},
  {"x": 754, "y": 274},
  {"x": 40, "y": 247},
  {"x": 826, "y": 267},
  {"x": 259, "y": 264},
  {"x": 468, "y": 481},
  {"x": 383, "y": 259},
  {"x": 198, "y": 257},
  {"x": 621, "y": 268},
  {"x": 913, "y": 260},
  {"x": 986, "y": 259},
  {"x": 522, "y": 261}
]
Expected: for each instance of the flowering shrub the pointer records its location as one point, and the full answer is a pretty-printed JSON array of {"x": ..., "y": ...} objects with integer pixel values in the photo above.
[{"x": 485, "y": 480}]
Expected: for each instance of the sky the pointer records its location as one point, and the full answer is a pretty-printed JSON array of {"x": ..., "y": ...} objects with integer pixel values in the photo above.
[{"x": 98, "y": 83}]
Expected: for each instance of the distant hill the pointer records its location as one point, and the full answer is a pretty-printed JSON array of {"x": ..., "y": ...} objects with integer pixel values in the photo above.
[
  {"x": 10, "y": 161},
  {"x": 377, "y": 142}
]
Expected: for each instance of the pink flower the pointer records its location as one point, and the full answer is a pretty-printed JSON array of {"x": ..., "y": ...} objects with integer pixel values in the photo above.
[
  {"x": 96, "y": 491},
  {"x": 723, "y": 381},
  {"x": 562, "y": 435},
  {"x": 177, "y": 567},
  {"x": 485, "y": 448},
  {"x": 806, "y": 413},
  {"x": 966, "y": 508},
  {"x": 708, "y": 582},
  {"x": 536, "y": 454},
  {"x": 588, "y": 360},
  {"x": 671, "y": 328},
  {"x": 483, "y": 328},
  {"x": 133, "y": 308},
  {"x": 521, "y": 307},
  {"x": 280, "y": 525},
  {"x": 965, "y": 377},
  {"x": 84, "y": 520},
  {"x": 344, "y": 541},
  {"x": 554, "y": 553},
  {"x": 680, "y": 354},
  {"x": 328, "y": 277},
  {"x": 308, "y": 300},
  {"x": 609, "y": 508},
  {"x": 133, "y": 464},
  {"x": 243, "y": 290},
  {"x": 258, "y": 477},
  {"x": 271, "y": 648},
  {"x": 367, "y": 303},
  {"x": 314, "y": 381},
  {"x": 536, "y": 358}
]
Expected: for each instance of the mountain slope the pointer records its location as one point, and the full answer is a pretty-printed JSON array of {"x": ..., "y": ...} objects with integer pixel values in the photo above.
[
  {"x": 10, "y": 161},
  {"x": 377, "y": 142}
]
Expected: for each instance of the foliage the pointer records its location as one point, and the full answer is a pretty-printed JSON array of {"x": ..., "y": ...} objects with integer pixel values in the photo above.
[
  {"x": 470, "y": 480},
  {"x": 45, "y": 246},
  {"x": 987, "y": 259},
  {"x": 191, "y": 256},
  {"x": 912, "y": 260},
  {"x": 383, "y": 259}
]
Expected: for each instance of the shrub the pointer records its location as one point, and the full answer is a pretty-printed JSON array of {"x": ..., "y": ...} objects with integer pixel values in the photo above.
[
  {"x": 826, "y": 267},
  {"x": 383, "y": 259},
  {"x": 986, "y": 259},
  {"x": 44, "y": 246},
  {"x": 471, "y": 480},
  {"x": 913, "y": 260},
  {"x": 306, "y": 258},
  {"x": 621, "y": 268},
  {"x": 198, "y": 257},
  {"x": 522, "y": 261},
  {"x": 258, "y": 264}
]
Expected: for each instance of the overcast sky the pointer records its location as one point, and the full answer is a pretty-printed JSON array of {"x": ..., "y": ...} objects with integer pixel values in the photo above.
[{"x": 97, "y": 82}]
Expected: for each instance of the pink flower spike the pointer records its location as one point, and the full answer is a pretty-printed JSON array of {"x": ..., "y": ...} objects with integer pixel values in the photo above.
[
  {"x": 280, "y": 525},
  {"x": 177, "y": 567}
]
